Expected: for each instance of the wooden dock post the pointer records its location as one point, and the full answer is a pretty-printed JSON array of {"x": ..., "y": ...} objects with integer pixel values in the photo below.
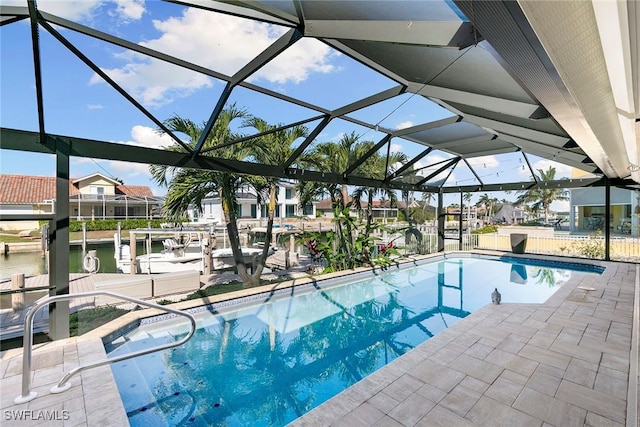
[
  {"x": 132, "y": 252},
  {"x": 206, "y": 252},
  {"x": 84, "y": 239},
  {"x": 17, "y": 299},
  {"x": 4, "y": 248}
]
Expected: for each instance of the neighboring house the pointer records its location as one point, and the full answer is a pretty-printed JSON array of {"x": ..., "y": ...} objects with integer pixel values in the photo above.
[
  {"x": 509, "y": 214},
  {"x": 91, "y": 197},
  {"x": 249, "y": 210},
  {"x": 587, "y": 210},
  {"x": 469, "y": 213},
  {"x": 381, "y": 209}
]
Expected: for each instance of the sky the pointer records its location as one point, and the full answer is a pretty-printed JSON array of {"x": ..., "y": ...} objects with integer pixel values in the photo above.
[{"x": 80, "y": 103}]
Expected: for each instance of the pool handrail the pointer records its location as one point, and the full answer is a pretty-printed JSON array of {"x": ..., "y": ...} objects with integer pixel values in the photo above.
[{"x": 63, "y": 384}]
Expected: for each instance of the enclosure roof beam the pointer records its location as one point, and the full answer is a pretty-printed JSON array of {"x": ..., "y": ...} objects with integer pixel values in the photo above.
[
  {"x": 28, "y": 141},
  {"x": 273, "y": 50}
]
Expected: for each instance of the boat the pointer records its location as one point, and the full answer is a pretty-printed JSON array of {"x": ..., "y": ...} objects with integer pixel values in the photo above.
[
  {"x": 280, "y": 236},
  {"x": 183, "y": 250},
  {"x": 222, "y": 259}
]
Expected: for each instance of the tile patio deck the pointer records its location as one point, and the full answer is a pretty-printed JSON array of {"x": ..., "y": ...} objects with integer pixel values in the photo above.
[{"x": 570, "y": 361}]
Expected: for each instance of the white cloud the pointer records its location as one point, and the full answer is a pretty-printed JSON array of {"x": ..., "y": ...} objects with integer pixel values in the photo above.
[
  {"x": 145, "y": 136},
  {"x": 86, "y": 10},
  {"x": 130, "y": 10},
  {"x": 126, "y": 170},
  {"x": 220, "y": 42},
  {"x": 142, "y": 136},
  {"x": 396, "y": 148},
  {"x": 404, "y": 125},
  {"x": 488, "y": 162},
  {"x": 155, "y": 83},
  {"x": 429, "y": 170},
  {"x": 95, "y": 106},
  {"x": 69, "y": 9}
]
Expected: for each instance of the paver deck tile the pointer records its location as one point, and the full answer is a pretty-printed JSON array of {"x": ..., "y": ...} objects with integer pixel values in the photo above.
[
  {"x": 504, "y": 391},
  {"x": 545, "y": 356},
  {"x": 544, "y": 383},
  {"x": 477, "y": 368},
  {"x": 460, "y": 400},
  {"x": 411, "y": 410},
  {"x": 486, "y": 411},
  {"x": 440, "y": 416},
  {"x": 580, "y": 372},
  {"x": 601, "y": 403},
  {"x": 544, "y": 407}
]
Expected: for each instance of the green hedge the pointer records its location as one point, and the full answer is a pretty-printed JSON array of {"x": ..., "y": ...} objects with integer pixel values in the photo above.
[
  {"x": 487, "y": 229},
  {"x": 112, "y": 224}
]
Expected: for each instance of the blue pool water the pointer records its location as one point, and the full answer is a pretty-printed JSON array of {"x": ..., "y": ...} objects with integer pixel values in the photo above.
[{"x": 269, "y": 361}]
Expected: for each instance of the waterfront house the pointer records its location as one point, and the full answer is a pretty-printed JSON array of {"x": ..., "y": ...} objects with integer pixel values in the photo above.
[
  {"x": 91, "y": 197},
  {"x": 250, "y": 211}
]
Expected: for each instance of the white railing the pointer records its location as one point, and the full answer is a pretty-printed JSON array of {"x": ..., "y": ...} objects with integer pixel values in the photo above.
[
  {"x": 64, "y": 384},
  {"x": 580, "y": 246}
]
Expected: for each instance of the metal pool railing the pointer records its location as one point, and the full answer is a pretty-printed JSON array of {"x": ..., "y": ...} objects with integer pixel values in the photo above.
[{"x": 64, "y": 384}]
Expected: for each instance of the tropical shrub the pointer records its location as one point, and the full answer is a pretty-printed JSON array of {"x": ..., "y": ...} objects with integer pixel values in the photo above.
[
  {"x": 112, "y": 224},
  {"x": 593, "y": 247}
]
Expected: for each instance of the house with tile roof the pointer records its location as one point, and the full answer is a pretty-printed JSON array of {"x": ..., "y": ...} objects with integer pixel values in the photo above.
[{"x": 91, "y": 197}]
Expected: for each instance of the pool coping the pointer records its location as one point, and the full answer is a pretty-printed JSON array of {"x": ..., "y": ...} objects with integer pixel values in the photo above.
[{"x": 90, "y": 346}]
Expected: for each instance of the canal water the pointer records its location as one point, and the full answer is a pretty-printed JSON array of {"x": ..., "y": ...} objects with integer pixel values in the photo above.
[{"x": 33, "y": 263}]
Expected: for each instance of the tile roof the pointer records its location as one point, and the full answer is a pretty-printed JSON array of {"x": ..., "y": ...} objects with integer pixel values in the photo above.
[
  {"x": 134, "y": 190},
  {"x": 26, "y": 189}
]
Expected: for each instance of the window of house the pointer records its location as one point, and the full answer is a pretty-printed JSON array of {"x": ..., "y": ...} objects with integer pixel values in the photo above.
[
  {"x": 97, "y": 192},
  {"x": 254, "y": 210},
  {"x": 307, "y": 209},
  {"x": 265, "y": 211},
  {"x": 288, "y": 193},
  {"x": 290, "y": 211}
]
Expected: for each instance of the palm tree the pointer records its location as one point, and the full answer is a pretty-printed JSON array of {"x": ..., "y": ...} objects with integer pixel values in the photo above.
[
  {"x": 374, "y": 167},
  {"x": 272, "y": 149},
  {"x": 426, "y": 199},
  {"x": 484, "y": 202},
  {"x": 188, "y": 187},
  {"x": 336, "y": 158},
  {"x": 488, "y": 203},
  {"x": 467, "y": 198},
  {"x": 542, "y": 198}
]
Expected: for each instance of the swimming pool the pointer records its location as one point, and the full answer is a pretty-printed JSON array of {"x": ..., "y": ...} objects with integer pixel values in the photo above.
[{"x": 277, "y": 356}]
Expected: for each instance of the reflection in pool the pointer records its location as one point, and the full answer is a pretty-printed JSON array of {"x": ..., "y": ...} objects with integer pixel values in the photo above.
[{"x": 270, "y": 361}]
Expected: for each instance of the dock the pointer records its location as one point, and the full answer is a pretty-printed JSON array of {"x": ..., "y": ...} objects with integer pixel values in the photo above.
[{"x": 12, "y": 322}]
